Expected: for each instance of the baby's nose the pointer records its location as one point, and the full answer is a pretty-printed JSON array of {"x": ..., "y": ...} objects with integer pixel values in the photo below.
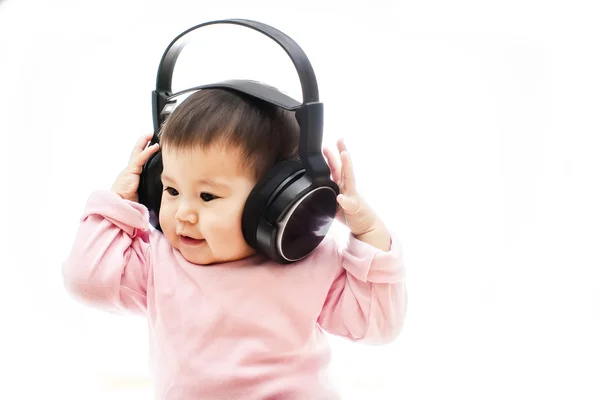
[{"x": 188, "y": 214}]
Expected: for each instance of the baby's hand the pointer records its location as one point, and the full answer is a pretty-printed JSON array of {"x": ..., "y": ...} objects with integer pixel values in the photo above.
[
  {"x": 354, "y": 211},
  {"x": 126, "y": 184}
]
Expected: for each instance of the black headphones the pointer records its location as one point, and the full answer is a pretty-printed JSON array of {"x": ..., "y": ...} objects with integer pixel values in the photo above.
[{"x": 290, "y": 210}]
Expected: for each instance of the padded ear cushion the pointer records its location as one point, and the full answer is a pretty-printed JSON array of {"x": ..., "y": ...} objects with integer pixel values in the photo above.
[
  {"x": 150, "y": 187},
  {"x": 260, "y": 195}
]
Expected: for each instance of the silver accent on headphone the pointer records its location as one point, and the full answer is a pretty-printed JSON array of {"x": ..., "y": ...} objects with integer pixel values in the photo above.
[{"x": 282, "y": 223}]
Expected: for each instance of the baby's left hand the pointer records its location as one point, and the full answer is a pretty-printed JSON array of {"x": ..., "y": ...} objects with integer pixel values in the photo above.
[{"x": 353, "y": 210}]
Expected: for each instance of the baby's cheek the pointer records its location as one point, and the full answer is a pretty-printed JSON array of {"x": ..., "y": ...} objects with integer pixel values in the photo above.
[
  {"x": 165, "y": 217},
  {"x": 227, "y": 229},
  {"x": 167, "y": 225}
]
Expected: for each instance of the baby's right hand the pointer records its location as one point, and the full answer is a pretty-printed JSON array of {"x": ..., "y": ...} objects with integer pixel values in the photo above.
[{"x": 126, "y": 184}]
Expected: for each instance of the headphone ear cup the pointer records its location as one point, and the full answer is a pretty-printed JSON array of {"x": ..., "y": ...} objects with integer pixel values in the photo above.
[
  {"x": 287, "y": 214},
  {"x": 150, "y": 188},
  {"x": 259, "y": 197}
]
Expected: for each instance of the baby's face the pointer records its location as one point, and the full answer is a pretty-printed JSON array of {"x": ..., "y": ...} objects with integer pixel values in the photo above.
[{"x": 204, "y": 192}]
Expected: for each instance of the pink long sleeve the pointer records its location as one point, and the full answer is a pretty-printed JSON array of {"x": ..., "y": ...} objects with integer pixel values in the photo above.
[
  {"x": 108, "y": 263},
  {"x": 241, "y": 329},
  {"x": 367, "y": 300}
]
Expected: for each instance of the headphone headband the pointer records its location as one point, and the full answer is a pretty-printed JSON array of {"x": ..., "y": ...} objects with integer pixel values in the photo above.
[
  {"x": 309, "y": 113},
  {"x": 308, "y": 81}
]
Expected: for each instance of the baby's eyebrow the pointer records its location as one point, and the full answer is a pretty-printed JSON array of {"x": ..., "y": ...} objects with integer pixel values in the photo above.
[
  {"x": 165, "y": 177},
  {"x": 211, "y": 182},
  {"x": 202, "y": 181}
]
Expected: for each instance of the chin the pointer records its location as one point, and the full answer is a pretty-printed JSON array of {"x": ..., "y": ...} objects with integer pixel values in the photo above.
[
  {"x": 209, "y": 259},
  {"x": 198, "y": 259}
]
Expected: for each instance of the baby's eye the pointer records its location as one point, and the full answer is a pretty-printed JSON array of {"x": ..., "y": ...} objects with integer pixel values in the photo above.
[
  {"x": 171, "y": 191},
  {"x": 207, "y": 196}
]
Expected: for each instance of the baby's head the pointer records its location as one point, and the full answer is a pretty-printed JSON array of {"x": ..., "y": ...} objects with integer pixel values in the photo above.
[{"x": 215, "y": 146}]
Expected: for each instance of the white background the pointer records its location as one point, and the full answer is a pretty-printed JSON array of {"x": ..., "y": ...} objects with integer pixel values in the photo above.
[{"x": 473, "y": 127}]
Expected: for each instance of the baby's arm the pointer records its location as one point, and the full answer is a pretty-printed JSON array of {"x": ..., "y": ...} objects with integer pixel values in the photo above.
[
  {"x": 108, "y": 263},
  {"x": 367, "y": 300}
]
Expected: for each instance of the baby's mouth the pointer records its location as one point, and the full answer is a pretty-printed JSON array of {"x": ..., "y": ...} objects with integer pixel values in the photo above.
[{"x": 190, "y": 241}]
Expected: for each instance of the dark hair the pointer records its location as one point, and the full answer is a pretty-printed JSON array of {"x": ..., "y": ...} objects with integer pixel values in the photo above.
[{"x": 265, "y": 134}]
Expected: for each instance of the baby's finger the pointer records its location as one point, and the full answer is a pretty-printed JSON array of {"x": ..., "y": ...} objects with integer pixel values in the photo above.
[
  {"x": 349, "y": 204},
  {"x": 341, "y": 145},
  {"x": 334, "y": 164},
  {"x": 141, "y": 145},
  {"x": 349, "y": 181},
  {"x": 140, "y": 160}
]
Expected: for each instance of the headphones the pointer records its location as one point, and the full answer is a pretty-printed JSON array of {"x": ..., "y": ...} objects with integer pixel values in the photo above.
[{"x": 290, "y": 210}]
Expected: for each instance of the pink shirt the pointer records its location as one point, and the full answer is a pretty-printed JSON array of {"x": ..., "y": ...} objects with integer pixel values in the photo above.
[{"x": 249, "y": 329}]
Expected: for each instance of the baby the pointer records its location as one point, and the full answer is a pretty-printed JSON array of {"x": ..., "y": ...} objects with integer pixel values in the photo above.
[{"x": 226, "y": 322}]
